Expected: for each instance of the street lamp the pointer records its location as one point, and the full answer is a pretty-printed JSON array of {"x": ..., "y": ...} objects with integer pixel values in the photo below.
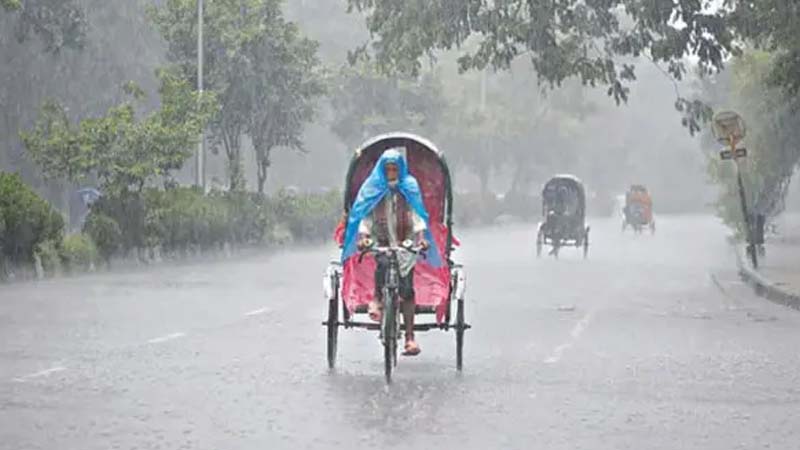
[
  {"x": 730, "y": 129},
  {"x": 200, "y": 158}
]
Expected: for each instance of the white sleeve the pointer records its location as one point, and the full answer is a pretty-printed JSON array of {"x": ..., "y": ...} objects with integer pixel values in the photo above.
[
  {"x": 365, "y": 227},
  {"x": 417, "y": 222}
]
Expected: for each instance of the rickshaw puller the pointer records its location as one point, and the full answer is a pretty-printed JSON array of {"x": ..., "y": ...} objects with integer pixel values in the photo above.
[{"x": 392, "y": 221}]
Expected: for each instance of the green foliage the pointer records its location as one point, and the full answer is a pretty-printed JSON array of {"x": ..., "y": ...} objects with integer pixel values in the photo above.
[
  {"x": 771, "y": 25},
  {"x": 506, "y": 122},
  {"x": 27, "y": 221},
  {"x": 266, "y": 75},
  {"x": 117, "y": 45},
  {"x": 591, "y": 41},
  {"x": 180, "y": 219},
  {"x": 563, "y": 39},
  {"x": 367, "y": 103},
  {"x": 183, "y": 219},
  {"x": 49, "y": 255},
  {"x": 10, "y": 5},
  {"x": 79, "y": 253},
  {"x": 773, "y": 132},
  {"x": 58, "y": 23},
  {"x": 119, "y": 150},
  {"x": 105, "y": 232},
  {"x": 308, "y": 216},
  {"x": 286, "y": 84}
]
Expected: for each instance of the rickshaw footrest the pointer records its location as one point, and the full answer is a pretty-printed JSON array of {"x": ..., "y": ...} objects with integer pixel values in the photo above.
[{"x": 417, "y": 326}]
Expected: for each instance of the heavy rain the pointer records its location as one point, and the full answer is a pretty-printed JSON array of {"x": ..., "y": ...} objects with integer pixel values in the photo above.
[{"x": 456, "y": 224}]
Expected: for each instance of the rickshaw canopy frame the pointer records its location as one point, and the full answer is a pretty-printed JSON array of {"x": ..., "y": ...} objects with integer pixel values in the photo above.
[{"x": 402, "y": 139}]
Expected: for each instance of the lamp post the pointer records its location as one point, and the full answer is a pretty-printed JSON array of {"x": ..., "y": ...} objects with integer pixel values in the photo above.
[
  {"x": 730, "y": 129},
  {"x": 200, "y": 158}
]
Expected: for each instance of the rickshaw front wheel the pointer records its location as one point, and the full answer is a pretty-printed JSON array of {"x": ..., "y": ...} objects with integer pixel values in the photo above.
[{"x": 389, "y": 334}]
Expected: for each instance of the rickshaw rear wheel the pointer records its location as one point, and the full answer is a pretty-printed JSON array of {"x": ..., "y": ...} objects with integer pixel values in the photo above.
[
  {"x": 586, "y": 244},
  {"x": 539, "y": 243},
  {"x": 460, "y": 327},
  {"x": 333, "y": 325}
]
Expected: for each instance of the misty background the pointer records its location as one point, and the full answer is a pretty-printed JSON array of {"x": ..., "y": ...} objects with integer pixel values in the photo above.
[{"x": 504, "y": 133}]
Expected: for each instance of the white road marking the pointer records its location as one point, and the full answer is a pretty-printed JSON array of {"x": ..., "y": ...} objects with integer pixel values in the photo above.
[
  {"x": 41, "y": 373},
  {"x": 166, "y": 338},
  {"x": 557, "y": 353},
  {"x": 575, "y": 333},
  {"x": 256, "y": 312}
]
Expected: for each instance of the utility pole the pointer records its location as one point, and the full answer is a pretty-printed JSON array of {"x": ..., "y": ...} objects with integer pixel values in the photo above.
[
  {"x": 487, "y": 145},
  {"x": 200, "y": 179},
  {"x": 483, "y": 90},
  {"x": 730, "y": 129}
]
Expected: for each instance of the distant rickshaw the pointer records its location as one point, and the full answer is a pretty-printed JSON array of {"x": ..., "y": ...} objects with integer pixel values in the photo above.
[
  {"x": 638, "y": 211},
  {"x": 563, "y": 216}
]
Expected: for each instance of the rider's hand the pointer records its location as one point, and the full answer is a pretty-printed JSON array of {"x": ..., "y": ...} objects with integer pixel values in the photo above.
[{"x": 423, "y": 244}]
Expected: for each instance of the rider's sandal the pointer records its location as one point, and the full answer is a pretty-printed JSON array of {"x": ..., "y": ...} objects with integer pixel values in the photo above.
[{"x": 412, "y": 349}]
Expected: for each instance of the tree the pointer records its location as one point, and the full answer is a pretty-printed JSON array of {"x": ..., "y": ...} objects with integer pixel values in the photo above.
[
  {"x": 250, "y": 64},
  {"x": 366, "y": 103},
  {"x": 119, "y": 150},
  {"x": 771, "y": 26},
  {"x": 59, "y": 23},
  {"x": 84, "y": 74},
  {"x": 286, "y": 86},
  {"x": 26, "y": 221},
  {"x": 592, "y": 41},
  {"x": 479, "y": 134},
  {"x": 773, "y": 133},
  {"x": 504, "y": 122},
  {"x": 10, "y": 5}
]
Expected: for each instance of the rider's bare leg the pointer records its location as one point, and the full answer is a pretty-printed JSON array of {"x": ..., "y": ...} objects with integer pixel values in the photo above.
[
  {"x": 375, "y": 308},
  {"x": 408, "y": 318}
]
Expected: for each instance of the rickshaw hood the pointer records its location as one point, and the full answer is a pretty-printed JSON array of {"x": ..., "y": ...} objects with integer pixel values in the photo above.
[{"x": 374, "y": 189}]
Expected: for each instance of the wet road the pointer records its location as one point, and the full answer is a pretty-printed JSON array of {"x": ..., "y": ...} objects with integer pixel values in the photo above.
[{"x": 652, "y": 343}]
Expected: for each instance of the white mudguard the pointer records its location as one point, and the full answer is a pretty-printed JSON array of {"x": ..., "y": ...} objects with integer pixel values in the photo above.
[
  {"x": 328, "y": 282},
  {"x": 461, "y": 284}
]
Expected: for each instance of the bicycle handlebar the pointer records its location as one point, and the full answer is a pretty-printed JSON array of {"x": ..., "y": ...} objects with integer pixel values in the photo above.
[{"x": 415, "y": 249}]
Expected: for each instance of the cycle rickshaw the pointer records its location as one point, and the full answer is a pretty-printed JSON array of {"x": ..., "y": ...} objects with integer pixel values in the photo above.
[
  {"x": 638, "y": 211},
  {"x": 439, "y": 291},
  {"x": 564, "y": 212}
]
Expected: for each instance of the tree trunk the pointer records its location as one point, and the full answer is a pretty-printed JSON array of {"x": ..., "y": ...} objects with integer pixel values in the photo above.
[
  {"x": 518, "y": 179},
  {"x": 262, "y": 175},
  {"x": 235, "y": 172},
  {"x": 231, "y": 142},
  {"x": 263, "y": 163},
  {"x": 483, "y": 176}
]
